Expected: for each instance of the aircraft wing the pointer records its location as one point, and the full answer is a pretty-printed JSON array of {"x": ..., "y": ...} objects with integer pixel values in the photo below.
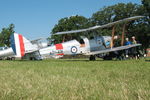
[
  {"x": 113, "y": 49},
  {"x": 102, "y": 26}
]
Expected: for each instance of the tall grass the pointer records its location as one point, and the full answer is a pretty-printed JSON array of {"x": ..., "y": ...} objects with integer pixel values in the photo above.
[{"x": 75, "y": 80}]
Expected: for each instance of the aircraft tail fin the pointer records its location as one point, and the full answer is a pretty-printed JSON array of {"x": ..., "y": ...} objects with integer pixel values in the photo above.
[{"x": 21, "y": 45}]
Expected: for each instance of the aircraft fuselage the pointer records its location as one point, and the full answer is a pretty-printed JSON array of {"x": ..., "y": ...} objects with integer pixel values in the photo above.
[{"x": 75, "y": 47}]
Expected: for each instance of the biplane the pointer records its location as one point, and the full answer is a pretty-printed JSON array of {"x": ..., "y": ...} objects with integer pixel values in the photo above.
[{"x": 94, "y": 47}]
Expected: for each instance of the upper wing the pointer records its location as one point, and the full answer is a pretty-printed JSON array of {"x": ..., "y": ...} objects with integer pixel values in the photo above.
[
  {"x": 113, "y": 49},
  {"x": 102, "y": 26}
]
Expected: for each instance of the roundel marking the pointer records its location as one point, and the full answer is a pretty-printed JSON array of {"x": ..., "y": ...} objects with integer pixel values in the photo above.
[{"x": 74, "y": 49}]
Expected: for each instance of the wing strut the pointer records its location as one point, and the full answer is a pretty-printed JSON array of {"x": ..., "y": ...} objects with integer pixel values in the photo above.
[
  {"x": 112, "y": 38},
  {"x": 64, "y": 37},
  {"x": 123, "y": 33}
]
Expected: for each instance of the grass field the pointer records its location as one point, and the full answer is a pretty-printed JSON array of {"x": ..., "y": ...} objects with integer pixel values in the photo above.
[{"x": 75, "y": 80}]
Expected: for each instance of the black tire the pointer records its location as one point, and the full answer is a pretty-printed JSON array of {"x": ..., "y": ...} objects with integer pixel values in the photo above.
[
  {"x": 92, "y": 58},
  {"x": 32, "y": 58}
]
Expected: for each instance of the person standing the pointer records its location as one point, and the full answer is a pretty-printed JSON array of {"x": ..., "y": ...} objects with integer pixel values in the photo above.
[
  {"x": 127, "y": 42},
  {"x": 134, "y": 50},
  {"x": 133, "y": 40},
  {"x": 127, "y": 51}
]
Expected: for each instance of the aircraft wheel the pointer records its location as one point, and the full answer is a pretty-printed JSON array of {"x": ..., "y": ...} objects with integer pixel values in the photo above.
[
  {"x": 8, "y": 58},
  {"x": 13, "y": 58},
  {"x": 92, "y": 58}
]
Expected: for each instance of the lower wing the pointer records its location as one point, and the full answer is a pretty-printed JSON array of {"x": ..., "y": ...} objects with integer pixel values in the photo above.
[{"x": 113, "y": 49}]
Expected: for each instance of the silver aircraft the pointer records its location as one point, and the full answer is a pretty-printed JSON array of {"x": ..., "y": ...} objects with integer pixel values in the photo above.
[
  {"x": 8, "y": 53},
  {"x": 97, "y": 46}
]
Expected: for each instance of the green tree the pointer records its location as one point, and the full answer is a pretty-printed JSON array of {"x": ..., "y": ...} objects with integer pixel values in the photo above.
[
  {"x": 146, "y": 4},
  {"x": 119, "y": 11},
  {"x": 5, "y": 35},
  {"x": 68, "y": 24},
  {"x": 113, "y": 13}
]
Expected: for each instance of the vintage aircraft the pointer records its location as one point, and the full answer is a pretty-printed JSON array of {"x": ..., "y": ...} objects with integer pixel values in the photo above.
[
  {"x": 8, "y": 53},
  {"x": 97, "y": 46}
]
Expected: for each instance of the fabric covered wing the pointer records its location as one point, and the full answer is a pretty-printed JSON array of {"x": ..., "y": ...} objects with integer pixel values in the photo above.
[
  {"x": 113, "y": 49},
  {"x": 102, "y": 26}
]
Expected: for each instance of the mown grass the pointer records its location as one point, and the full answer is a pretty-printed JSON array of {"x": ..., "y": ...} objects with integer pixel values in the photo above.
[{"x": 75, "y": 80}]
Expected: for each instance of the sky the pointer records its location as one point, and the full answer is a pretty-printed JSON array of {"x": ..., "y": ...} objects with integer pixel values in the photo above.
[{"x": 36, "y": 18}]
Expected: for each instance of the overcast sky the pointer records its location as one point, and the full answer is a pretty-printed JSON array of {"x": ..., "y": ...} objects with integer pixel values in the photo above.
[{"x": 36, "y": 18}]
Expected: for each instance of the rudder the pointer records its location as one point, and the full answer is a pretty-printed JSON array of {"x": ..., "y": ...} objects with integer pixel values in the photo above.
[{"x": 21, "y": 45}]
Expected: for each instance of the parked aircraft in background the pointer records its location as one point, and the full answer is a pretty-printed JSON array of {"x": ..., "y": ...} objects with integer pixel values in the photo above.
[
  {"x": 8, "y": 53},
  {"x": 97, "y": 46}
]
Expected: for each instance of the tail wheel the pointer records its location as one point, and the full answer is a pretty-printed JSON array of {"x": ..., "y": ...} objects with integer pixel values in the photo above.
[{"x": 13, "y": 58}]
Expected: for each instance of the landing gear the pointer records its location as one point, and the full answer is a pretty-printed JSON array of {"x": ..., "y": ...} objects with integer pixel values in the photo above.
[
  {"x": 32, "y": 58},
  {"x": 92, "y": 58},
  {"x": 10, "y": 58},
  {"x": 35, "y": 58}
]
